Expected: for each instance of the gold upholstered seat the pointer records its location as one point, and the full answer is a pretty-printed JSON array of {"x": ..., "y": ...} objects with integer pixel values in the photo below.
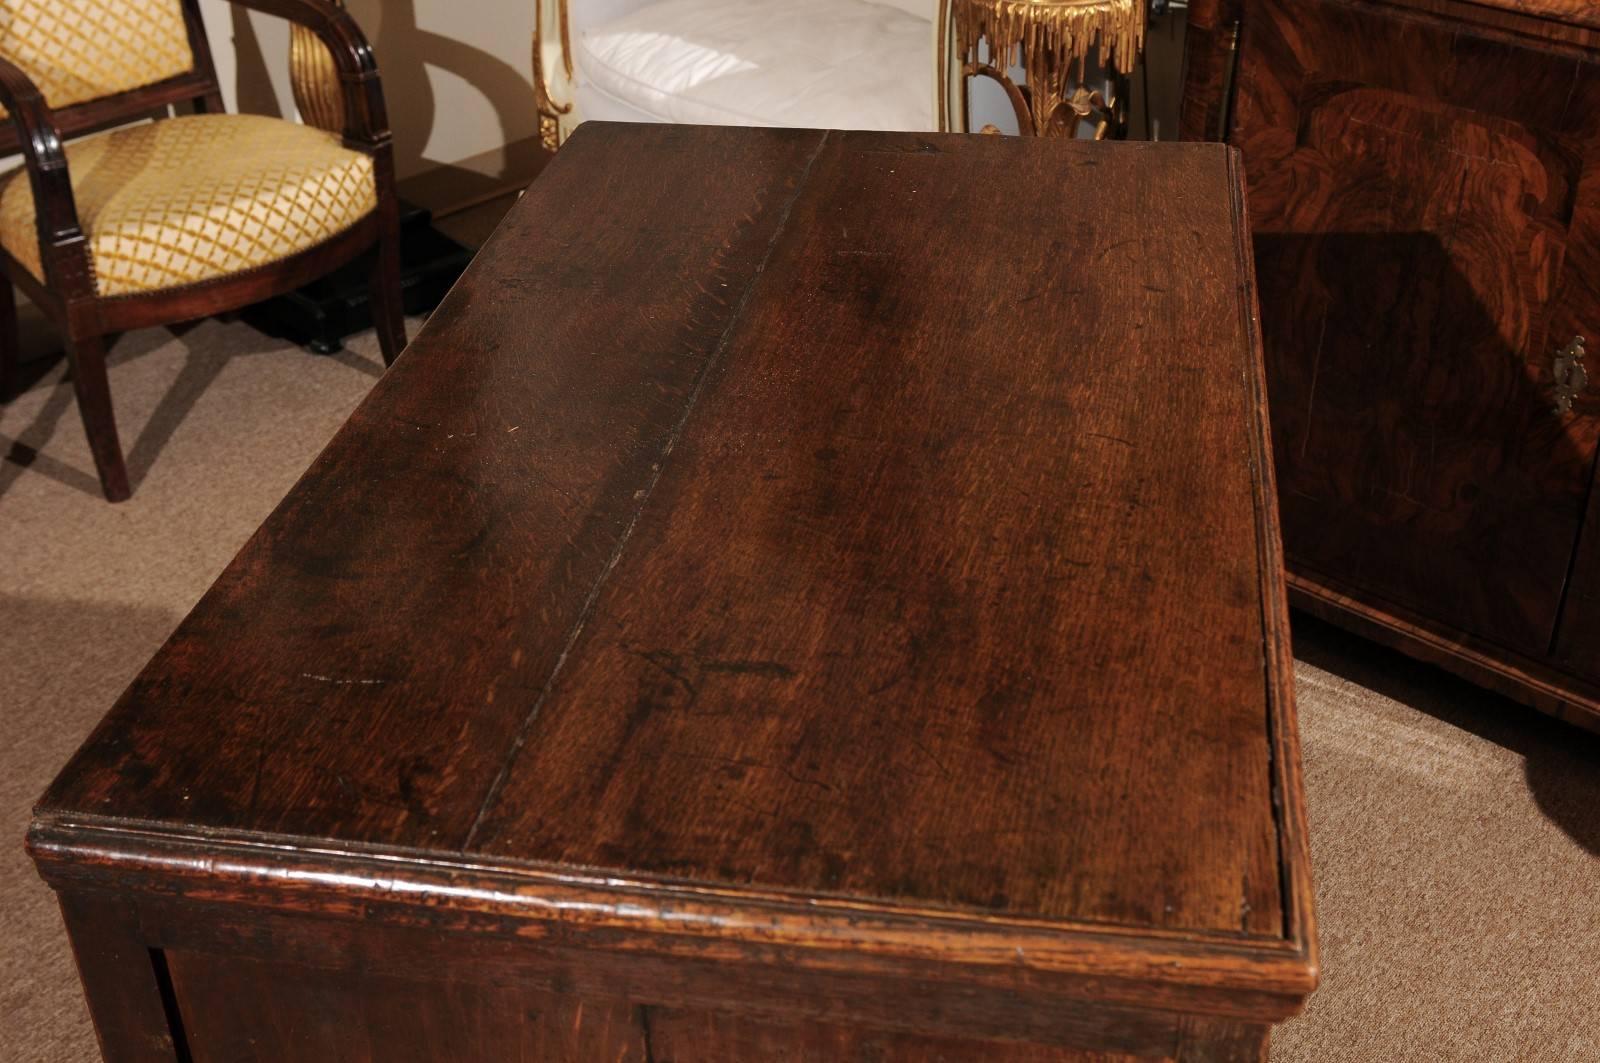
[{"x": 194, "y": 198}]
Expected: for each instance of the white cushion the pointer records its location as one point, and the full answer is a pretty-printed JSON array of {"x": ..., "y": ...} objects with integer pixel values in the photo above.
[{"x": 842, "y": 64}]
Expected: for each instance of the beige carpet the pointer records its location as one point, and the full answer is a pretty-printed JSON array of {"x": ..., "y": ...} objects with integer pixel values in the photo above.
[{"x": 1455, "y": 834}]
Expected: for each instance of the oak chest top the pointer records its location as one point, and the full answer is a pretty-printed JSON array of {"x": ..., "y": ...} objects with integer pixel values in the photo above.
[{"x": 781, "y": 535}]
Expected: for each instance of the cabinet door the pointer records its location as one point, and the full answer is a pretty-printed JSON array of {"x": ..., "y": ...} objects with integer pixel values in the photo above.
[
  {"x": 1425, "y": 203},
  {"x": 1578, "y": 640}
]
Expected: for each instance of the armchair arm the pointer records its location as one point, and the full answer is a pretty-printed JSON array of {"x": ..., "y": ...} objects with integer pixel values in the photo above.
[
  {"x": 366, "y": 122},
  {"x": 62, "y": 250}
]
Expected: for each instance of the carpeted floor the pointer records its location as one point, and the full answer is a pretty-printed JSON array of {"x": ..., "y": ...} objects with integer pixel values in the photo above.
[{"x": 1455, "y": 835}]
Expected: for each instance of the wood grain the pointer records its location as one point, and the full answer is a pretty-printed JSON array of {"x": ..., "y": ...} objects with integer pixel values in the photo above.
[
  {"x": 124, "y": 981},
  {"x": 1538, "y": 682},
  {"x": 1410, "y": 250},
  {"x": 1426, "y": 207},
  {"x": 747, "y": 598},
  {"x": 254, "y": 1010},
  {"x": 249, "y": 1011},
  {"x": 1578, "y": 642},
  {"x": 504, "y": 490},
  {"x": 1571, "y": 12},
  {"x": 911, "y": 554}
]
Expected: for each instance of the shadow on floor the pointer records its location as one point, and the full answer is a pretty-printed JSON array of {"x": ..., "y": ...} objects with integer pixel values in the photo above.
[
  {"x": 25, "y": 450},
  {"x": 1561, "y": 761}
]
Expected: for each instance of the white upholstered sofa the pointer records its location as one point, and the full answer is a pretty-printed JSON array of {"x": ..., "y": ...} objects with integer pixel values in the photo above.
[{"x": 855, "y": 64}]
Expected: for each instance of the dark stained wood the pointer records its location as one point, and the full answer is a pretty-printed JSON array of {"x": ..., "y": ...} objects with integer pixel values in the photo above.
[
  {"x": 1578, "y": 644},
  {"x": 10, "y": 341},
  {"x": 1550, "y": 687},
  {"x": 67, "y": 293},
  {"x": 1209, "y": 57},
  {"x": 1410, "y": 250},
  {"x": 934, "y": 995},
  {"x": 745, "y": 600},
  {"x": 716, "y": 1037},
  {"x": 1568, "y": 12},
  {"x": 1426, "y": 210},
  {"x": 92, "y": 116},
  {"x": 124, "y": 980},
  {"x": 87, "y": 357},
  {"x": 780, "y": 680},
  {"x": 502, "y": 496},
  {"x": 247, "y": 1010}
]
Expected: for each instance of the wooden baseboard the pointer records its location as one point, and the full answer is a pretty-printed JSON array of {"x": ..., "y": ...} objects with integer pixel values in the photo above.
[{"x": 1533, "y": 683}]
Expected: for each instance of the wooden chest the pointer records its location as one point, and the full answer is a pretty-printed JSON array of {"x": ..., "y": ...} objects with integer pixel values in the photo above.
[
  {"x": 1424, "y": 189},
  {"x": 752, "y": 621}
]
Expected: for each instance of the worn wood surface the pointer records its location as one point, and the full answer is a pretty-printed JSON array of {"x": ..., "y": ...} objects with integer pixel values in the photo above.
[
  {"x": 912, "y": 553},
  {"x": 124, "y": 981},
  {"x": 733, "y": 579},
  {"x": 1570, "y": 12},
  {"x": 1426, "y": 209},
  {"x": 248, "y": 1011},
  {"x": 252, "y": 1011}
]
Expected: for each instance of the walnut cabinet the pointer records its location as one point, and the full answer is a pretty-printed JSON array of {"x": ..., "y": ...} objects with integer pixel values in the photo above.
[{"x": 1424, "y": 191}]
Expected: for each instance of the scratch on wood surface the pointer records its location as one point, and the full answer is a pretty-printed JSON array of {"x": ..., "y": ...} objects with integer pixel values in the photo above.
[
  {"x": 1311, "y": 397},
  {"x": 781, "y": 225},
  {"x": 750, "y": 667},
  {"x": 342, "y": 682}
]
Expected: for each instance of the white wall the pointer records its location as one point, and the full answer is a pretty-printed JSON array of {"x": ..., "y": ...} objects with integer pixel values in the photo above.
[{"x": 457, "y": 74}]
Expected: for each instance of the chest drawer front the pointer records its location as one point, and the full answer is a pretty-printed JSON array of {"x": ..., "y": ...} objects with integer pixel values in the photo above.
[{"x": 1421, "y": 198}]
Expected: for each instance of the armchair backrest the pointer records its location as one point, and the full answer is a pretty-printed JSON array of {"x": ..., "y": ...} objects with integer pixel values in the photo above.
[
  {"x": 101, "y": 61},
  {"x": 81, "y": 50}
]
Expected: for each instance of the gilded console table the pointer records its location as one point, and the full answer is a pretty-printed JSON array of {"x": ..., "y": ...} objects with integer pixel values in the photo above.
[{"x": 1054, "y": 39}]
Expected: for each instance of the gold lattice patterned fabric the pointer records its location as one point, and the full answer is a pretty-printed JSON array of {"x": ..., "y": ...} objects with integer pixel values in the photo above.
[
  {"x": 190, "y": 199},
  {"x": 77, "y": 50}
]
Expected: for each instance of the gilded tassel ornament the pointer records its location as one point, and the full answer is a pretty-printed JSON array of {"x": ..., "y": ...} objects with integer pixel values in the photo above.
[{"x": 1054, "y": 39}]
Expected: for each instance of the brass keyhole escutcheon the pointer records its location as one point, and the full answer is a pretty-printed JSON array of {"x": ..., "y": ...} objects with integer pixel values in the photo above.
[{"x": 1571, "y": 376}]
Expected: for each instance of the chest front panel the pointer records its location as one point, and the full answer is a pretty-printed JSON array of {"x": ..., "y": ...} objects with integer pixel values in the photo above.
[{"x": 1424, "y": 207}]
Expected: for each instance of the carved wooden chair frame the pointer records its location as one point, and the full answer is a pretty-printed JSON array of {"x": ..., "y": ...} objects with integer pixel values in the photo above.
[{"x": 68, "y": 294}]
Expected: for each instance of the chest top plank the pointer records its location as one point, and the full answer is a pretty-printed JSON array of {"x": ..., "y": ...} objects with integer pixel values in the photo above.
[{"x": 869, "y": 521}]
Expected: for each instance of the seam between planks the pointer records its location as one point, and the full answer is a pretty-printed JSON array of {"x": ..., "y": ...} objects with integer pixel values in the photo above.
[{"x": 593, "y": 599}]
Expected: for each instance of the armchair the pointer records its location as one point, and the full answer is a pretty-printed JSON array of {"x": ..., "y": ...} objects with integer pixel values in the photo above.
[{"x": 185, "y": 216}]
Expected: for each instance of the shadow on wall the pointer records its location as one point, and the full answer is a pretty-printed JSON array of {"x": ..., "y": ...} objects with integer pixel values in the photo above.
[
  {"x": 253, "y": 83},
  {"x": 416, "y": 105}
]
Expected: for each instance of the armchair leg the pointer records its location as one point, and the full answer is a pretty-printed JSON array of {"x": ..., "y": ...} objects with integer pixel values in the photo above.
[
  {"x": 9, "y": 340},
  {"x": 88, "y": 357},
  {"x": 388, "y": 309}
]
